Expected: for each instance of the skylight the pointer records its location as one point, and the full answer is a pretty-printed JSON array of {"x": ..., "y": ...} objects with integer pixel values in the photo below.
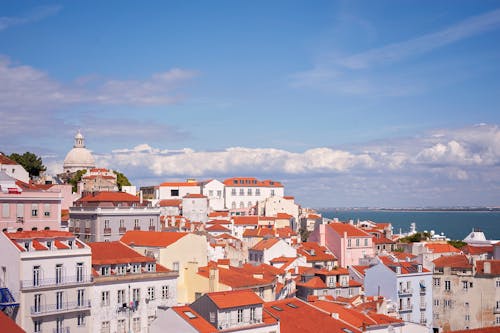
[
  {"x": 189, "y": 314},
  {"x": 292, "y": 305},
  {"x": 277, "y": 308}
]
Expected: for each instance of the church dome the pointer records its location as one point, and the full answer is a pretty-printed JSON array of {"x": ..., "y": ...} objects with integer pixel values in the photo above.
[{"x": 79, "y": 157}]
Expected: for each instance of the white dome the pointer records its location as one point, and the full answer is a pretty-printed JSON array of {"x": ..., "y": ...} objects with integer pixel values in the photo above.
[{"x": 79, "y": 158}]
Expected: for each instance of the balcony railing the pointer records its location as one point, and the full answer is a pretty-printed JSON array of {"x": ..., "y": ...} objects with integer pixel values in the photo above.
[
  {"x": 152, "y": 228},
  {"x": 137, "y": 228},
  {"x": 107, "y": 231},
  {"x": 404, "y": 292},
  {"x": 54, "y": 282},
  {"x": 61, "y": 330},
  {"x": 422, "y": 291},
  {"x": 122, "y": 230},
  {"x": 77, "y": 229},
  {"x": 48, "y": 309},
  {"x": 496, "y": 310},
  {"x": 423, "y": 306},
  {"x": 423, "y": 321},
  {"x": 20, "y": 219},
  {"x": 87, "y": 230},
  {"x": 406, "y": 308}
]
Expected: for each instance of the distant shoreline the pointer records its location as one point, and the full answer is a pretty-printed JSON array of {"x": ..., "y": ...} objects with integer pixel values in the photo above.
[{"x": 416, "y": 210}]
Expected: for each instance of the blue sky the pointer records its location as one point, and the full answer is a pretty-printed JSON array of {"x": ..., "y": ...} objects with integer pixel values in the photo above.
[{"x": 349, "y": 103}]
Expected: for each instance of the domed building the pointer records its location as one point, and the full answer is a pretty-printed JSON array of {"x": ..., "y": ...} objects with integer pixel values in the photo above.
[{"x": 79, "y": 157}]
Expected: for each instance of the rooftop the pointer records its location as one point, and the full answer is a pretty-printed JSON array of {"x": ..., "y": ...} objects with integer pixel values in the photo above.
[
  {"x": 352, "y": 231},
  {"x": 234, "y": 298},
  {"x": 108, "y": 253},
  {"x": 151, "y": 238}
]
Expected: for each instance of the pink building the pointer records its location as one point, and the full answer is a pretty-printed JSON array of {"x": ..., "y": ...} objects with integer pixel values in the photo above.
[
  {"x": 345, "y": 241},
  {"x": 24, "y": 206}
]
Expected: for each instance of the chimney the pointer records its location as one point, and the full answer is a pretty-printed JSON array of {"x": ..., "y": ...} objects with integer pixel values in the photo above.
[
  {"x": 258, "y": 276},
  {"x": 487, "y": 267},
  {"x": 213, "y": 279},
  {"x": 335, "y": 315},
  {"x": 140, "y": 197}
]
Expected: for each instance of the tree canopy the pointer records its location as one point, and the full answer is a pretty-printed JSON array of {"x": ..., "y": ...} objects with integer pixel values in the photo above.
[
  {"x": 32, "y": 163},
  {"x": 121, "y": 180},
  {"x": 77, "y": 176}
]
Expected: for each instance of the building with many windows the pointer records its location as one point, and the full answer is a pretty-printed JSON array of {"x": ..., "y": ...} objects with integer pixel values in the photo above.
[
  {"x": 48, "y": 273},
  {"x": 243, "y": 193},
  {"x": 128, "y": 288}
]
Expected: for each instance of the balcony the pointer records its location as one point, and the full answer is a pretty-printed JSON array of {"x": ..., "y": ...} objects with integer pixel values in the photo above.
[
  {"x": 137, "y": 228},
  {"x": 496, "y": 310},
  {"x": 405, "y": 292},
  {"x": 19, "y": 219},
  {"x": 422, "y": 291},
  {"x": 152, "y": 228},
  {"x": 87, "y": 230},
  {"x": 423, "y": 321},
  {"x": 61, "y": 330},
  {"x": 122, "y": 230},
  {"x": 423, "y": 306},
  {"x": 107, "y": 231},
  {"x": 55, "y": 282},
  {"x": 406, "y": 308},
  {"x": 77, "y": 230},
  {"x": 44, "y": 310},
  {"x": 71, "y": 229}
]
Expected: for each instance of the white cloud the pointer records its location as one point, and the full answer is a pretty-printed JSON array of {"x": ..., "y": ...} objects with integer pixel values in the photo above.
[{"x": 37, "y": 14}]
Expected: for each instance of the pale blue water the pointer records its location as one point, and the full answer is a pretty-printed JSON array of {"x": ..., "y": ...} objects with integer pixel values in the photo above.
[{"x": 455, "y": 225}]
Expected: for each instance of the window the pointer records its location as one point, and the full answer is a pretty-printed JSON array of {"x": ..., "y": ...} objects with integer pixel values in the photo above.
[
  {"x": 436, "y": 302},
  {"x": 37, "y": 303},
  {"x": 219, "y": 193},
  {"x": 136, "y": 268},
  {"x": 174, "y": 193},
  {"x": 261, "y": 292},
  {"x": 252, "y": 314},
  {"x": 349, "y": 242},
  {"x": 136, "y": 223},
  {"x": 447, "y": 303},
  {"x": 249, "y": 191},
  {"x": 242, "y": 191},
  {"x": 105, "y": 270},
  {"x": 497, "y": 320},
  {"x": 465, "y": 285},
  {"x": 79, "y": 272},
  {"x": 5, "y": 210},
  {"x": 37, "y": 326},
  {"x": 59, "y": 324},
  {"x": 136, "y": 292},
  {"x": 105, "y": 327},
  {"x": 46, "y": 210},
  {"x": 106, "y": 224},
  {"x": 357, "y": 242},
  {"x": 164, "y": 292},
  {"x": 80, "y": 297},
  {"x": 498, "y": 283},
  {"x": 437, "y": 282},
  {"x": 59, "y": 300},
  {"x": 240, "y": 315},
  {"x": 121, "y": 326},
  {"x": 80, "y": 320},
  {"x": 212, "y": 317},
  {"x": 121, "y": 269},
  {"x": 257, "y": 191},
  {"x": 122, "y": 223},
  {"x": 249, "y": 204},
  {"x": 447, "y": 285},
  {"x": 233, "y": 191},
  {"x": 136, "y": 325},
  {"x": 233, "y": 205},
  {"x": 59, "y": 272},
  {"x": 34, "y": 210},
  {"x": 105, "y": 298},
  {"x": 120, "y": 296},
  {"x": 151, "y": 293},
  {"x": 467, "y": 317},
  {"x": 20, "y": 211},
  {"x": 150, "y": 267},
  {"x": 211, "y": 193},
  {"x": 175, "y": 266},
  {"x": 36, "y": 276}
]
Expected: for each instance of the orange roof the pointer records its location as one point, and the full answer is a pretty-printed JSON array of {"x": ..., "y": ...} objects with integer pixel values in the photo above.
[
  {"x": 283, "y": 216},
  {"x": 351, "y": 316},
  {"x": 5, "y": 160},
  {"x": 288, "y": 197},
  {"x": 217, "y": 227},
  {"x": 170, "y": 203},
  {"x": 455, "y": 261},
  {"x": 195, "y": 196},
  {"x": 382, "y": 240},
  {"x": 226, "y": 236},
  {"x": 250, "y": 182},
  {"x": 478, "y": 330},
  {"x": 107, "y": 253},
  {"x": 476, "y": 250},
  {"x": 314, "y": 283},
  {"x": 110, "y": 197},
  {"x": 151, "y": 238},
  {"x": 260, "y": 231},
  {"x": 6, "y": 323},
  {"x": 198, "y": 322},
  {"x": 176, "y": 184},
  {"x": 334, "y": 271},
  {"x": 441, "y": 248},
  {"x": 314, "y": 252},
  {"x": 38, "y": 246},
  {"x": 265, "y": 244},
  {"x": 403, "y": 256},
  {"x": 235, "y": 277},
  {"x": 234, "y": 298},
  {"x": 64, "y": 215},
  {"x": 218, "y": 214},
  {"x": 296, "y": 316},
  {"x": 360, "y": 269},
  {"x": 406, "y": 267},
  {"x": 39, "y": 234},
  {"x": 313, "y": 216},
  {"x": 246, "y": 220},
  {"x": 60, "y": 245},
  {"x": 352, "y": 231},
  {"x": 494, "y": 267}
]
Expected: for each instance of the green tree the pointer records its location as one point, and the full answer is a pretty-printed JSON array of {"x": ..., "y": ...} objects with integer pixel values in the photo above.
[
  {"x": 304, "y": 234},
  {"x": 121, "y": 180},
  {"x": 30, "y": 162},
  {"x": 77, "y": 176},
  {"x": 457, "y": 243}
]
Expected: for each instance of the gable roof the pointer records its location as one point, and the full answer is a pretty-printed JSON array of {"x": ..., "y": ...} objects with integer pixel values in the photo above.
[
  {"x": 170, "y": 203},
  {"x": 179, "y": 184},
  {"x": 5, "y": 160},
  {"x": 352, "y": 231},
  {"x": 454, "y": 261},
  {"x": 265, "y": 244},
  {"x": 314, "y": 252},
  {"x": 245, "y": 220},
  {"x": 151, "y": 238},
  {"x": 234, "y": 298},
  {"x": 107, "y": 253},
  {"x": 7, "y": 324},
  {"x": 108, "y": 196},
  {"x": 494, "y": 267},
  {"x": 235, "y": 277},
  {"x": 250, "y": 182},
  {"x": 197, "y": 322},
  {"x": 441, "y": 248}
]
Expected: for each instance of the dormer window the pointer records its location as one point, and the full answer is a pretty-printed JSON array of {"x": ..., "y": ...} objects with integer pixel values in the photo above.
[
  {"x": 150, "y": 267},
  {"x": 70, "y": 243},
  {"x": 121, "y": 270},
  {"x": 27, "y": 246},
  {"x": 105, "y": 270},
  {"x": 49, "y": 245},
  {"x": 136, "y": 268}
]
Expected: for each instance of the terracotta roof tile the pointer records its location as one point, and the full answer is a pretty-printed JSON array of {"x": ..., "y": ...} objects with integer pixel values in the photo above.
[
  {"x": 6, "y": 323},
  {"x": 198, "y": 322},
  {"x": 494, "y": 267},
  {"x": 218, "y": 228},
  {"x": 441, "y": 248},
  {"x": 179, "y": 184},
  {"x": 5, "y": 160},
  {"x": 477, "y": 250},
  {"x": 314, "y": 252},
  {"x": 246, "y": 220},
  {"x": 194, "y": 196},
  {"x": 234, "y": 298},
  {"x": 107, "y": 253},
  {"x": 351, "y": 230},
  {"x": 170, "y": 203},
  {"x": 151, "y": 238},
  {"x": 455, "y": 261},
  {"x": 314, "y": 283},
  {"x": 478, "y": 330},
  {"x": 110, "y": 197},
  {"x": 265, "y": 244},
  {"x": 250, "y": 182}
]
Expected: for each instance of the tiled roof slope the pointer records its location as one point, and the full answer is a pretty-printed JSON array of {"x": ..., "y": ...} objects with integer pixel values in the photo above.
[{"x": 151, "y": 238}]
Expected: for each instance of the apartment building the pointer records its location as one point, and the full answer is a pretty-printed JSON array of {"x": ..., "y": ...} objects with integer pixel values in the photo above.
[
  {"x": 195, "y": 207},
  {"x": 465, "y": 295},
  {"x": 326, "y": 282},
  {"x": 13, "y": 169},
  {"x": 128, "y": 288},
  {"x": 270, "y": 248},
  {"x": 49, "y": 274},
  {"x": 106, "y": 216},
  {"x": 28, "y": 207},
  {"x": 243, "y": 193},
  {"x": 406, "y": 283}
]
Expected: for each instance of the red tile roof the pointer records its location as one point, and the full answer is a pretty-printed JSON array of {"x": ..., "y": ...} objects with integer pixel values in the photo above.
[
  {"x": 313, "y": 283},
  {"x": 198, "y": 322},
  {"x": 234, "y": 298},
  {"x": 179, "y": 184},
  {"x": 494, "y": 267},
  {"x": 195, "y": 196},
  {"x": 351, "y": 230},
  {"x": 217, "y": 228},
  {"x": 6, "y": 323},
  {"x": 382, "y": 240},
  {"x": 441, "y": 248},
  {"x": 250, "y": 182},
  {"x": 314, "y": 252},
  {"x": 246, "y": 220},
  {"x": 110, "y": 197},
  {"x": 265, "y": 244},
  {"x": 218, "y": 214},
  {"x": 283, "y": 216},
  {"x": 107, "y": 253},
  {"x": 38, "y": 246},
  {"x": 5, "y": 160},
  {"x": 40, "y": 234},
  {"x": 296, "y": 316},
  {"x": 351, "y": 316},
  {"x": 235, "y": 277},
  {"x": 151, "y": 238},
  {"x": 477, "y": 250},
  {"x": 170, "y": 203},
  {"x": 455, "y": 261},
  {"x": 479, "y": 330}
]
